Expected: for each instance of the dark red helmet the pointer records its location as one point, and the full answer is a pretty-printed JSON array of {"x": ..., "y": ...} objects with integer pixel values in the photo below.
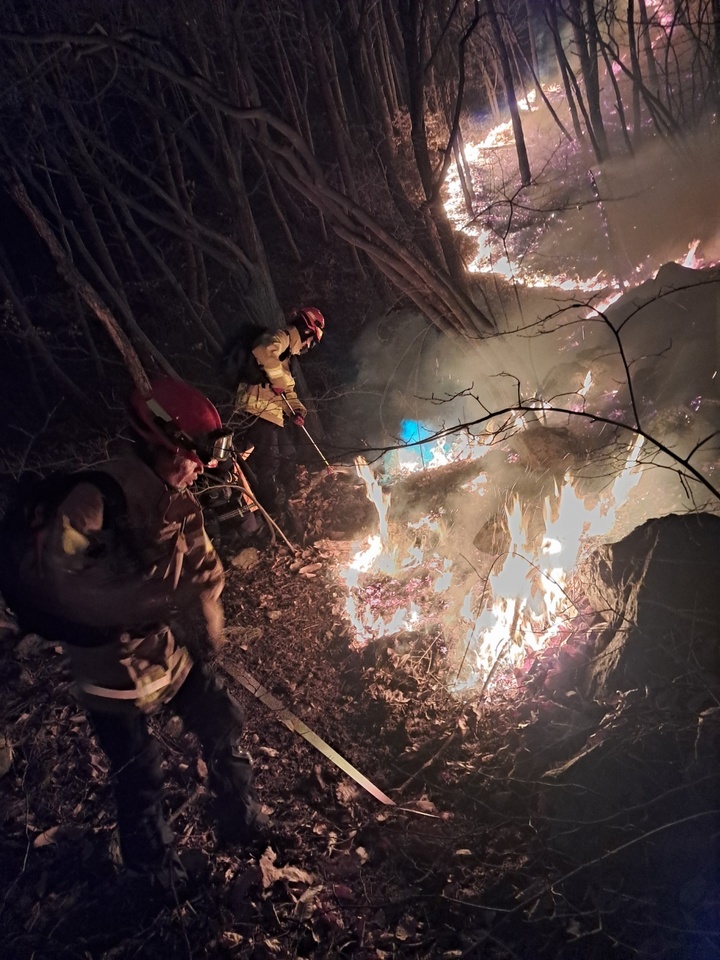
[
  {"x": 310, "y": 324},
  {"x": 176, "y": 416}
]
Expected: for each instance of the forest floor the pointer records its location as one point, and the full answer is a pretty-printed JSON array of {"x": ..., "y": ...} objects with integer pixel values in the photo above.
[{"x": 474, "y": 858}]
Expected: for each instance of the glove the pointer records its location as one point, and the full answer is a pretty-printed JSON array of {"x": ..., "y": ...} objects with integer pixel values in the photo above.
[
  {"x": 278, "y": 390},
  {"x": 299, "y": 419}
]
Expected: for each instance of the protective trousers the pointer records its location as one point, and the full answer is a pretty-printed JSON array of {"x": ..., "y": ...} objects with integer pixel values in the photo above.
[
  {"x": 272, "y": 462},
  {"x": 217, "y": 719}
]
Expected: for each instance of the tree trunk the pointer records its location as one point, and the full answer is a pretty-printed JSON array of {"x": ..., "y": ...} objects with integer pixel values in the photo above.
[
  {"x": 647, "y": 47},
  {"x": 85, "y": 291},
  {"x": 326, "y": 91},
  {"x": 635, "y": 67},
  {"x": 586, "y": 41},
  {"x": 510, "y": 96},
  {"x": 565, "y": 71},
  {"x": 438, "y": 230}
]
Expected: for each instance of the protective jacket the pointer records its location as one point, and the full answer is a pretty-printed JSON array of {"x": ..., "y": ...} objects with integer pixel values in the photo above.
[
  {"x": 272, "y": 352},
  {"x": 134, "y": 604}
]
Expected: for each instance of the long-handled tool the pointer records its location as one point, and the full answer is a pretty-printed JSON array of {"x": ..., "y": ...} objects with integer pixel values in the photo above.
[
  {"x": 303, "y": 427},
  {"x": 298, "y": 726},
  {"x": 294, "y": 723}
]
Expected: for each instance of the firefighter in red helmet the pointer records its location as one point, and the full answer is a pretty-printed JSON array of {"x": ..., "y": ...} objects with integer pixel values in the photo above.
[
  {"x": 266, "y": 400},
  {"x": 132, "y": 585}
]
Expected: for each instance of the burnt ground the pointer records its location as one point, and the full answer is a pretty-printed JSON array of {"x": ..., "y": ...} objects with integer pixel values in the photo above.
[{"x": 482, "y": 855}]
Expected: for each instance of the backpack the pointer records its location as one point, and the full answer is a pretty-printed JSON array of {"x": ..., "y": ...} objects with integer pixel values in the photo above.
[
  {"x": 238, "y": 361},
  {"x": 26, "y": 518}
]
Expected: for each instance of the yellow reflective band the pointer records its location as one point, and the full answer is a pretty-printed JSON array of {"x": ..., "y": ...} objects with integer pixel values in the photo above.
[
  {"x": 73, "y": 541},
  {"x": 298, "y": 726}
]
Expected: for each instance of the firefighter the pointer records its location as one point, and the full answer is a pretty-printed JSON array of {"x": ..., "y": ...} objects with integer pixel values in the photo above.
[
  {"x": 134, "y": 593},
  {"x": 266, "y": 399}
]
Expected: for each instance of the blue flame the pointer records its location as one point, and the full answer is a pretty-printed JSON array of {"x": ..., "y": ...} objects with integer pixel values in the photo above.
[{"x": 411, "y": 431}]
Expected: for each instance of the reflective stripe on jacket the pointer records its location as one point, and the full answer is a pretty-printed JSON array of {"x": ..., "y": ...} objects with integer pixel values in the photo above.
[
  {"x": 273, "y": 352},
  {"x": 116, "y": 676}
]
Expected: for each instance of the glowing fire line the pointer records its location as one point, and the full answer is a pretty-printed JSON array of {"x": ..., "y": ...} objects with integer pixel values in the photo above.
[{"x": 492, "y": 256}]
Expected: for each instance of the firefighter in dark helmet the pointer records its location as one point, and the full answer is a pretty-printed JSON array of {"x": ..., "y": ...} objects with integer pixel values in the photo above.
[
  {"x": 266, "y": 400},
  {"x": 135, "y": 599}
]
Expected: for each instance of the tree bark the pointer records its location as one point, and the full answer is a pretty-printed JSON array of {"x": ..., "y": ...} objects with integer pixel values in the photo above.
[{"x": 510, "y": 96}]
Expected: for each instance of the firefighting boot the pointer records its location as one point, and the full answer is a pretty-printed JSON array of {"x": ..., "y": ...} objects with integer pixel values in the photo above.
[
  {"x": 236, "y": 809},
  {"x": 145, "y": 838},
  {"x": 150, "y": 863}
]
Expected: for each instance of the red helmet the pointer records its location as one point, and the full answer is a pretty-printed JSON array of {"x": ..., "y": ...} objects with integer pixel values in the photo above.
[
  {"x": 310, "y": 324},
  {"x": 177, "y": 416}
]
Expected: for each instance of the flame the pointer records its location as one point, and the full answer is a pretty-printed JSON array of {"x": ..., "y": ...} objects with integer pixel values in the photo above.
[
  {"x": 499, "y": 136},
  {"x": 375, "y": 495},
  {"x": 524, "y": 604},
  {"x": 690, "y": 260},
  {"x": 459, "y": 447},
  {"x": 510, "y": 254}
]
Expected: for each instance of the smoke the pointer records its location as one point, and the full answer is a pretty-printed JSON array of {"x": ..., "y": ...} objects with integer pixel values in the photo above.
[
  {"x": 669, "y": 331},
  {"x": 609, "y": 227},
  {"x": 663, "y": 198},
  {"x": 620, "y": 220}
]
